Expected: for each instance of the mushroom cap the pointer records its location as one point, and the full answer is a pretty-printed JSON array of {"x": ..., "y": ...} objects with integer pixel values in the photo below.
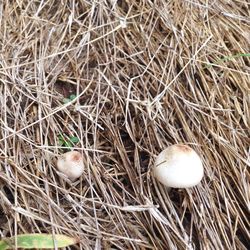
[
  {"x": 71, "y": 164},
  {"x": 178, "y": 166}
]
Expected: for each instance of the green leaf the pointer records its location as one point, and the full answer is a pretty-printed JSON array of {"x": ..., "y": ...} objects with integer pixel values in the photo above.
[
  {"x": 44, "y": 241},
  {"x": 3, "y": 245},
  {"x": 67, "y": 143},
  {"x": 61, "y": 140},
  {"x": 66, "y": 100},
  {"x": 72, "y": 97},
  {"x": 74, "y": 139},
  {"x": 60, "y": 137}
]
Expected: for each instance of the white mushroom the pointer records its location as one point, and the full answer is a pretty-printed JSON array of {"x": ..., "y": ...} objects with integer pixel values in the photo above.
[
  {"x": 71, "y": 164},
  {"x": 178, "y": 166}
]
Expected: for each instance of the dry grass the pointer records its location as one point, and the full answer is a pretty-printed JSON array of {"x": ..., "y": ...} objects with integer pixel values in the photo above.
[{"x": 147, "y": 74}]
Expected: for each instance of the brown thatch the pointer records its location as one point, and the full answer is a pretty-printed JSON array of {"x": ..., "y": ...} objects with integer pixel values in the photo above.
[{"x": 147, "y": 74}]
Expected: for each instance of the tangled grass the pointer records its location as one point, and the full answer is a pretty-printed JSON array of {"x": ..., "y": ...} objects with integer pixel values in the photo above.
[{"x": 145, "y": 75}]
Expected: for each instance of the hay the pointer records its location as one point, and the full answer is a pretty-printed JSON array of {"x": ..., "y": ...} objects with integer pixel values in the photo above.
[{"x": 147, "y": 74}]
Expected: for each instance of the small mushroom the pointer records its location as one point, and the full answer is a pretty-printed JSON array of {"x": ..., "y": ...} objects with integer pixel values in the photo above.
[
  {"x": 178, "y": 166},
  {"x": 71, "y": 164}
]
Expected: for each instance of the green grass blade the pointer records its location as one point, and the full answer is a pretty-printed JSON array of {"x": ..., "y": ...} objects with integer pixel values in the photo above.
[
  {"x": 68, "y": 144},
  {"x": 44, "y": 241},
  {"x": 228, "y": 58}
]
